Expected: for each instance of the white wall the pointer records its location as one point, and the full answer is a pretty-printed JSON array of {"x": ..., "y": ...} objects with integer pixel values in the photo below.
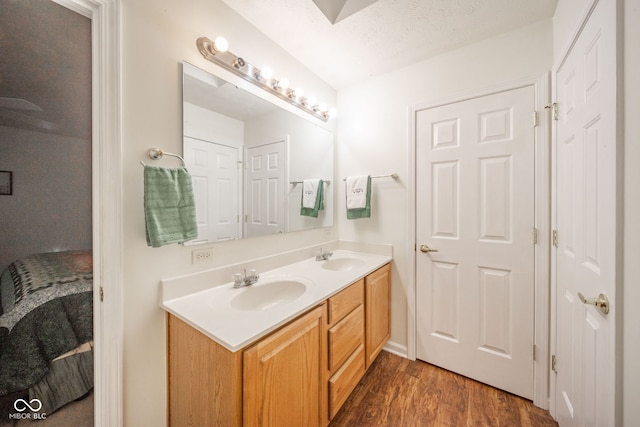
[
  {"x": 208, "y": 125},
  {"x": 157, "y": 35},
  {"x": 50, "y": 209},
  {"x": 631, "y": 274},
  {"x": 373, "y": 135}
]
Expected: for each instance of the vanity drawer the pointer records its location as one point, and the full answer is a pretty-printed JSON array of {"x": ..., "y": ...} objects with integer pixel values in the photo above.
[
  {"x": 344, "y": 302},
  {"x": 345, "y": 337},
  {"x": 342, "y": 383}
]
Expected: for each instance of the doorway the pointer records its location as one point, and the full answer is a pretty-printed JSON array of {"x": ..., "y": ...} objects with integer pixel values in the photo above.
[
  {"x": 46, "y": 247},
  {"x": 475, "y": 265}
]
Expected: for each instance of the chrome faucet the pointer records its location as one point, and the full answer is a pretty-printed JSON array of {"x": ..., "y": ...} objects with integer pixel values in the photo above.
[
  {"x": 323, "y": 256},
  {"x": 242, "y": 279}
]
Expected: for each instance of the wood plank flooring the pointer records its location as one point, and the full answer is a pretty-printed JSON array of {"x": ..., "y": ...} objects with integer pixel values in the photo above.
[{"x": 397, "y": 392}]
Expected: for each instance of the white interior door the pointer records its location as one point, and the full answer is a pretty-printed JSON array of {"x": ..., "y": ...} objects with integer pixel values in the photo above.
[
  {"x": 585, "y": 220},
  {"x": 266, "y": 187},
  {"x": 475, "y": 206},
  {"x": 214, "y": 169}
]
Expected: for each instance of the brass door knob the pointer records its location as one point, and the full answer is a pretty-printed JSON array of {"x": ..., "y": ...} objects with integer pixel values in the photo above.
[
  {"x": 424, "y": 248},
  {"x": 602, "y": 302}
]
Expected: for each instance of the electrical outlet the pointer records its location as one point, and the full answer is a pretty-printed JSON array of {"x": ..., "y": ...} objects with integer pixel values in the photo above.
[{"x": 201, "y": 255}]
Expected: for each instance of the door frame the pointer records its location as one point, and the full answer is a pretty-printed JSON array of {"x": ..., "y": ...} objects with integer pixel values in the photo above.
[
  {"x": 568, "y": 45},
  {"x": 542, "y": 201},
  {"x": 106, "y": 205}
]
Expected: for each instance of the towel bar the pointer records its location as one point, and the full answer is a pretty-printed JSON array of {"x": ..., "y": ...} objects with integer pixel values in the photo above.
[
  {"x": 294, "y": 183},
  {"x": 391, "y": 175}
]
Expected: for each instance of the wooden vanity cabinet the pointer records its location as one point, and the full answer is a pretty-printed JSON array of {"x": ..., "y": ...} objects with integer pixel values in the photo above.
[
  {"x": 279, "y": 381},
  {"x": 378, "y": 311},
  {"x": 346, "y": 336},
  {"x": 204, "y": 379},
  {"x": 284, "y": 375},
  {"x": 299, "y": 375}
]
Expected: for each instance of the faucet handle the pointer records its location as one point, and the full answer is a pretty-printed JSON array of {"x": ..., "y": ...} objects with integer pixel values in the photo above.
[{"x": 237, "y": 278}]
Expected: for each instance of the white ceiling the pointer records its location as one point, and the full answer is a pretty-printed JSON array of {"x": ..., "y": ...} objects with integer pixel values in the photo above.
[{"x": 385, "y": 35}]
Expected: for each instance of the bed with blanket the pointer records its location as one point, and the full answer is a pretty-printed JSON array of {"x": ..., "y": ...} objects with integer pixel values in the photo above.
[{"x": 46, "y": 328}]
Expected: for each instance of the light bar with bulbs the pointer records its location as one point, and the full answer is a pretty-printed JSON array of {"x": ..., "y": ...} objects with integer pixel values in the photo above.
[{"x": 217, "y": 51}]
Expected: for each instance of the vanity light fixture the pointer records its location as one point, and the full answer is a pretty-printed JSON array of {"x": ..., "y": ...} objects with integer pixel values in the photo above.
[
  {"x": 217, "y": 52},
  {"x": 265, "y": 74}
]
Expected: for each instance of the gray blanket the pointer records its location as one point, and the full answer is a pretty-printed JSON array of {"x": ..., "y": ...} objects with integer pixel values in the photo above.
[
  {"x": 43, "y": 334},
  {"x": 48, "y": 311}
]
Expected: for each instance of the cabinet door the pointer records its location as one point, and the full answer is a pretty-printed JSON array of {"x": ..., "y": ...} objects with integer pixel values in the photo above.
[
  {"x": 378, "y": 311},
  {"x": 285, "y": 375}
]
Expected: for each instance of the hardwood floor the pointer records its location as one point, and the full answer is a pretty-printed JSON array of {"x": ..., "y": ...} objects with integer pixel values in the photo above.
[{"x": 398, "y": 392}]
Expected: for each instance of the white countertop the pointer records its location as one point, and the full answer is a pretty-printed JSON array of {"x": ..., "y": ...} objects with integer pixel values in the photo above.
[{"x": 210, "y": 311}]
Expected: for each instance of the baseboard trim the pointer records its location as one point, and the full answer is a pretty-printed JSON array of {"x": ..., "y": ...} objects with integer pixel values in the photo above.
[{"x": 397, "y": 349}]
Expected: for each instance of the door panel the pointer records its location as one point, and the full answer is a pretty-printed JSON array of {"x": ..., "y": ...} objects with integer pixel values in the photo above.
[
  {"x": 475, "y": 201},
  {"x": 214, "y": 169},
  {"x": 585, "y": 219},
  {"x": 266, "y": 177}
]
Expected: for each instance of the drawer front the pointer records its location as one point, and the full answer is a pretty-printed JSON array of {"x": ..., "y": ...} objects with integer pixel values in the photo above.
[
  {"x": 345, "y": 337},
  {"x": 345, "y": 380},
  {"x": 344, "y": 302}
]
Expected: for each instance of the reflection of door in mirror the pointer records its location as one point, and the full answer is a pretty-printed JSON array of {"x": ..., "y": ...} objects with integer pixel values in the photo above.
[
  {"x": 216, "y": 184},
  {"x": 266, "y": 187}
]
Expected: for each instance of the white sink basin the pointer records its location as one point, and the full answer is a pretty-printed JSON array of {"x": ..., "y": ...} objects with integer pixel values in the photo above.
[
  {"x": 342, "y": 264},
  {"x": 263, "y": 296}
]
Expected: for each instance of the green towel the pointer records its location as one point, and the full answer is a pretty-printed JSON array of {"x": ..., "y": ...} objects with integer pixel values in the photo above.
[
  {"x": 319, "y": 205},
  {"x": 169, "y": 206},
  {"x": 358, "y": 213}
]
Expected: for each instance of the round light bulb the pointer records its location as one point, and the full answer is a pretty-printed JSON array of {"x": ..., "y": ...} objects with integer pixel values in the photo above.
[
  {"x": 298, "y": 92},
  {"x": 283, "y": 83},
  {"x": 322, "y": 108},
  {"x": 220, "y": 44},
  {"x": 311, "y": 101},
  {"x": 266, "y": 73}
]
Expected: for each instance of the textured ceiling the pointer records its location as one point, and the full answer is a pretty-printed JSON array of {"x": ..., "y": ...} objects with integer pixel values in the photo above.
[
  {"x": 385, "y": 35},
  {"x": 45, "y": 68}
]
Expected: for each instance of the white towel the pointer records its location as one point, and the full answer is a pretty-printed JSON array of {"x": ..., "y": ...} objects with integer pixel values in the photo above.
[
  {"x": 357, "y": 191},
  {"x": 310, "y": 192}
]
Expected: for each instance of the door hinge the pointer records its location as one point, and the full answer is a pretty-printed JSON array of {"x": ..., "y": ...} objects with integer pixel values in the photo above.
[
  {"x": 554, "y": 110},
  {"x": 535, "y": 119},
  {"x": 534, "y": 352},
  {"x": 555, "y": 238},
  {"x": 101, "y": 294},
  {"x": 246, "y": 218},
  {"x": 554, "y": 362},
  {"x": 535, "y": 236}
]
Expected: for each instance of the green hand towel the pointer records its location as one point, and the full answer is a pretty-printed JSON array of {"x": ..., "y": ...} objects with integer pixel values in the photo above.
[
  {"x": 358, "y": 213},
  {"x": 319, "y": 205},
  {"x": 169, "y": 206}
]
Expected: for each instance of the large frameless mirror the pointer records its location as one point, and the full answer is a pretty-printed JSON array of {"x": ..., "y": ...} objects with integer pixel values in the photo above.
[{"x": 248, "y": 159}]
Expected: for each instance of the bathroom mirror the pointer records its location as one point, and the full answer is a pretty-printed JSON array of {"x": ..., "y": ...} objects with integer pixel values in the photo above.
[{"x": 248, "y": 158}]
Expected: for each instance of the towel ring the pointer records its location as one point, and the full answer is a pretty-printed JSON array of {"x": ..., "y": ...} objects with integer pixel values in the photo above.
[{"x": 157, "y": 153}]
